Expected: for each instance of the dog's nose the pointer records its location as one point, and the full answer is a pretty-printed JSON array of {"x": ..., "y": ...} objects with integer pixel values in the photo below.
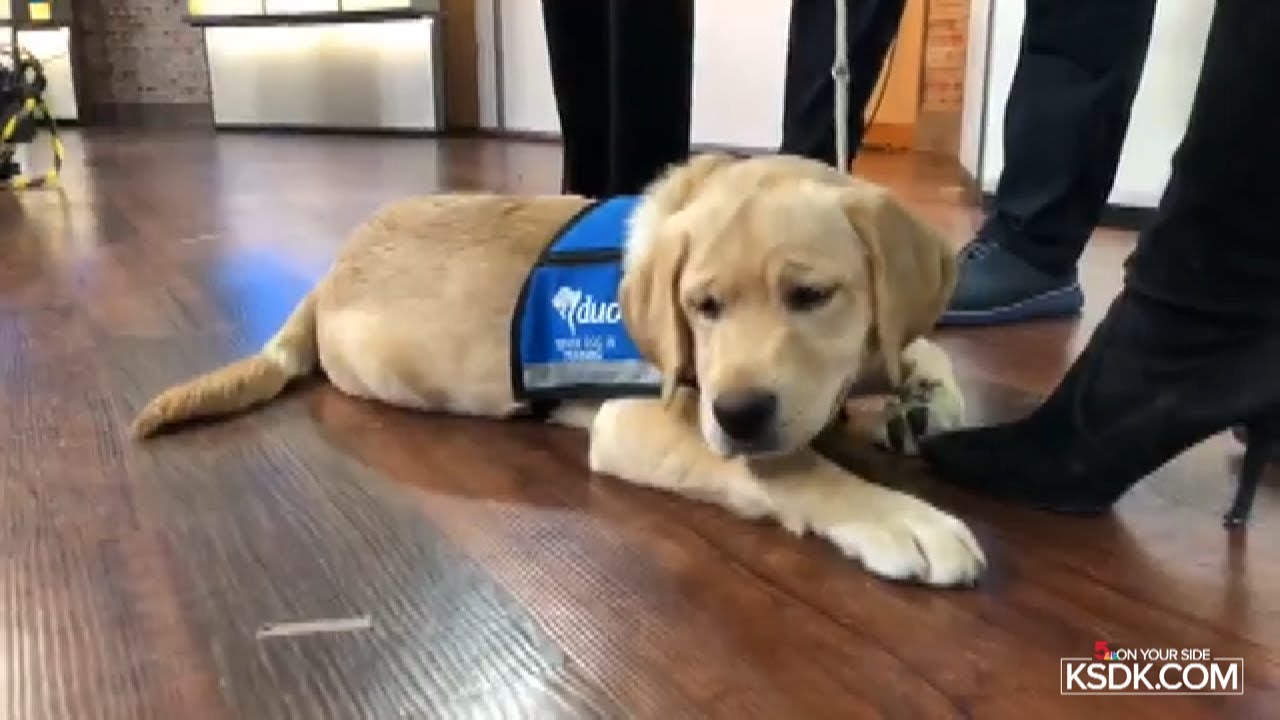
[{"x": 745, "y": 415}]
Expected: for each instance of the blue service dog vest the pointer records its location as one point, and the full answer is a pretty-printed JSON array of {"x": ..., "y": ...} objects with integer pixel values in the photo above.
[{"x": 568, "y": 340}]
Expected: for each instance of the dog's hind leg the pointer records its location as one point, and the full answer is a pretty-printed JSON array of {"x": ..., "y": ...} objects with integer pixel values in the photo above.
[{"x": 575, "y": 414}]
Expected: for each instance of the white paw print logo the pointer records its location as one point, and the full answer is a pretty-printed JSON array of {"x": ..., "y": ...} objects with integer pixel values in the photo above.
[{"x": 564, "y": 301}]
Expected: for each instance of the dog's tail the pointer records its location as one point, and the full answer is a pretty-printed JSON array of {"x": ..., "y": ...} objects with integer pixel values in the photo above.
[{"x": 242, "y": 384}]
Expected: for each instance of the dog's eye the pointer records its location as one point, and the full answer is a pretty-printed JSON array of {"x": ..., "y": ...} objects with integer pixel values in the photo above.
[
  {"x": 807, "y": 297},
  {"x": 707, "y": 307}
]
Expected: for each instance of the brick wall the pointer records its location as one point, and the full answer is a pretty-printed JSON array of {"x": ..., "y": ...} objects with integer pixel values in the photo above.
[
  {"x": 946, "y": 42},
  {"x": 140, "y": 52},
  {"x": 945, "y": 47}
]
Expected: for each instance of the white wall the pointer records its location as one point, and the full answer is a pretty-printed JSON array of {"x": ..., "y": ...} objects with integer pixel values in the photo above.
[
  {"x": 52, "y": 46},
  {"x": 1160, "y": 111},
  {"x": 739, "y": 65},
  {"x": 975, "y": 79}
]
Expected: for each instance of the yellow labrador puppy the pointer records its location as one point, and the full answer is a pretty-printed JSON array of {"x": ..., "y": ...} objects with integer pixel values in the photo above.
[{"x": 761, "y": 290}]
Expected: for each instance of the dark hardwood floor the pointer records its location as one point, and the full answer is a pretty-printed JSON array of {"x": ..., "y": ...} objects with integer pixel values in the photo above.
[{"x": 501, "y": 578}]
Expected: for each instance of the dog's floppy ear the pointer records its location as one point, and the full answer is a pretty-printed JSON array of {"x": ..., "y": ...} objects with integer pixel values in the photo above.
[
  {"x": 655, "y": 256},
  {"x": 912, "y": 267},
  {"x": 649, "y": 296}
]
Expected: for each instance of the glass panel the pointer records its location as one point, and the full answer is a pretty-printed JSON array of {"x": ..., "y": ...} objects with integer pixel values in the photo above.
[
  {"x": 357, "y": 5},
  {"x": 301, "y": 6},
  {"x": 6, "y": 10},
  {"x": 329, "y": 75},
  {"x": 224, "y": 7}
]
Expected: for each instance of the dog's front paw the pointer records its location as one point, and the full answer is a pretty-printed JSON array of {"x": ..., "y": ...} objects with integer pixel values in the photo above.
[
  {"x": 922, "y": 407},
  {"x": 912, "y": 541},
  {"x": 929, "y": 401}
]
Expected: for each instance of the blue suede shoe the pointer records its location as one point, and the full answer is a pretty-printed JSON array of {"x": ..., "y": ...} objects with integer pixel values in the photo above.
[{"x": 996, "y": 287}]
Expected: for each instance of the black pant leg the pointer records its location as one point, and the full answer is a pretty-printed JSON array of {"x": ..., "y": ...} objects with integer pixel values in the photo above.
[
  {"x": 1214, "y": 246},
  {"x": 808, "y": 120},
  {"x": 651, "y": 89},
  {"x": 578, "y": 43},
  {"x": 1065, "y": 124}
]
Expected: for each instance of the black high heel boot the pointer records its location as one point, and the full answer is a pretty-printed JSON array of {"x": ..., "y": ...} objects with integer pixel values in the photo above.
[
  {"x": 1152, "y": 382},
  {"x": 1262, "y": 447}
]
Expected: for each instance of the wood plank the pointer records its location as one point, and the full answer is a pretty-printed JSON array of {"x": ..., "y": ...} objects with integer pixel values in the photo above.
[{"x": 501, "y": 577}]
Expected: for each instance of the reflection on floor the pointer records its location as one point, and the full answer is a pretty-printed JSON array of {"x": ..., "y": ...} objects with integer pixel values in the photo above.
[{"x": 501, "y": 578}]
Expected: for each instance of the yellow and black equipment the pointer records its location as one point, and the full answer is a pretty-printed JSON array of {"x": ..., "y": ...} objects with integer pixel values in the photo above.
[{"x": 23, "y": 110}]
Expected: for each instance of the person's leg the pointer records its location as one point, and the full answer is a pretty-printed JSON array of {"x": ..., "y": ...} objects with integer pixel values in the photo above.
[
  {"x": 1064, "y": 127},
  {"x": 808, "y": 123},
  {"x": 578, "y": 44},
  {"x": 651, "y": 69},
  {"x": 1190, "y": 347}
]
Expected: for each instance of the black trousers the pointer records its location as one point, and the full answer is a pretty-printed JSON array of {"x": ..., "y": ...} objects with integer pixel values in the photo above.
[
  {"x": 622, "y": 71},
  {"x": 1214, "y": 246},
  {"x": 808, "y": 120},
  {"x": 1065, "y": 124}
]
